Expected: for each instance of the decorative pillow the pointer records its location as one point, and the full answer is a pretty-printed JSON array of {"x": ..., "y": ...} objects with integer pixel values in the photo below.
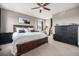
[
  {"x": 32, "y": 30},
  {"x": 21, "y": 31}
]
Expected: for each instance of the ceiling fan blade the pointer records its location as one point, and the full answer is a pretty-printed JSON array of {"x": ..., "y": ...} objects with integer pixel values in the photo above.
[
  {"x": 36, "y": 8},
  {"x": 46, "y": 8},
  {"x": 39, "y": 4},
  {"x": 46, "y": 4}
]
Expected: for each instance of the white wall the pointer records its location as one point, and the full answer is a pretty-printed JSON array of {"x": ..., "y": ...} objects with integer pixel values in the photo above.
[
  {"x": 10, "y": 18},
  {"x": 66, "y": 17},
  {"x": 47, "y": 23}
]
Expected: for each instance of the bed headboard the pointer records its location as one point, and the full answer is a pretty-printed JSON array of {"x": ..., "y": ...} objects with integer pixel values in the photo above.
[{"x": 21, "y": 26}]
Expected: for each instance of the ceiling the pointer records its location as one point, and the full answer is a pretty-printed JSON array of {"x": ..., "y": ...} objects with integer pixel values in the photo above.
[{"x": 25, "y": 8}]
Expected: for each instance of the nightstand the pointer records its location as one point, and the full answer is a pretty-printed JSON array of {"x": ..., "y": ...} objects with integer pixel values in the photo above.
[{"x": 5, "y": 38}]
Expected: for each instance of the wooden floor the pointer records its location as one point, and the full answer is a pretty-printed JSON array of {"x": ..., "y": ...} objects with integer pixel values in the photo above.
[{"x": 53, "y": 48}]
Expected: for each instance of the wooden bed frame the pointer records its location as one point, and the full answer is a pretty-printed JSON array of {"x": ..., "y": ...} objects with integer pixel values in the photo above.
[
  {"x": 21, "y": 26},
  {"x": 27, "y": 46}
]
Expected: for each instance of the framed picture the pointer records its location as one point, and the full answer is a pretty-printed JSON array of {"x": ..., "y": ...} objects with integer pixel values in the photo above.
[{"x": 24, "y": 21}]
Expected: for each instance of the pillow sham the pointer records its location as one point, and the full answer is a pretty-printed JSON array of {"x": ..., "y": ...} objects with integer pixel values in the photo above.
[
  {"x": 26, "y": 30},
  {"x": 21, "y": 31},
  {"x": 31, "y": 29},
  {"x": 17, "y": 29}
]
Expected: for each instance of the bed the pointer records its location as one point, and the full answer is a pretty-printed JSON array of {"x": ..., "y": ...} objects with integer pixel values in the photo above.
[{"x": 24, "y": 42}]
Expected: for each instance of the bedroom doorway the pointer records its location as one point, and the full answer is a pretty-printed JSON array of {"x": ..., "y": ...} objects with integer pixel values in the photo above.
[{"x": 39, "y": 25}]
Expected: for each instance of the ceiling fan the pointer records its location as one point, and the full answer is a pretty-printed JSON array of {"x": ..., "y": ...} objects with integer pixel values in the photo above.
[{"x": 42, "y": 6}]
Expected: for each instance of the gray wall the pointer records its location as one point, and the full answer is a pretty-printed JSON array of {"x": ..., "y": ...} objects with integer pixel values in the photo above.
[
  {"x": 66, "y": 17},
  {"x": 10, "y": 18}
]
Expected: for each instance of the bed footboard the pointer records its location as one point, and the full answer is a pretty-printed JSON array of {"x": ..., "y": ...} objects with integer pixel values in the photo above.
[{"x": 25, "y": 47}]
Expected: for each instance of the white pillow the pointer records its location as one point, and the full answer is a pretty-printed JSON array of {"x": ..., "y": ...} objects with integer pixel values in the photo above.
[
  {"x": 17, "y": 29},
  {"x": 31, "y": 29},
  {"x": 26, "y": 30}
]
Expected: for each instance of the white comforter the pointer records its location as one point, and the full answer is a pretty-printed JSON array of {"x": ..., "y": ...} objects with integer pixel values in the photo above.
[{"x": 19, "y": 38}]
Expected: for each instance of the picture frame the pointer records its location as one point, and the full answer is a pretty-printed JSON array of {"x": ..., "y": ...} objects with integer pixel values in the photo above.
[{"x": 24, "y": 21}]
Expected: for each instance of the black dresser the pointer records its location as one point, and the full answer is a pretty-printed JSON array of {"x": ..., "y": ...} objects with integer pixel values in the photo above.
[
  {"x": 67, "y": 34},
  {"x": 5, "y": 38}
]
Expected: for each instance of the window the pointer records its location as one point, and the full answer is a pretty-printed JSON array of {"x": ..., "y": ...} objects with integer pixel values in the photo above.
[{"x": 40, "y": 25}]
